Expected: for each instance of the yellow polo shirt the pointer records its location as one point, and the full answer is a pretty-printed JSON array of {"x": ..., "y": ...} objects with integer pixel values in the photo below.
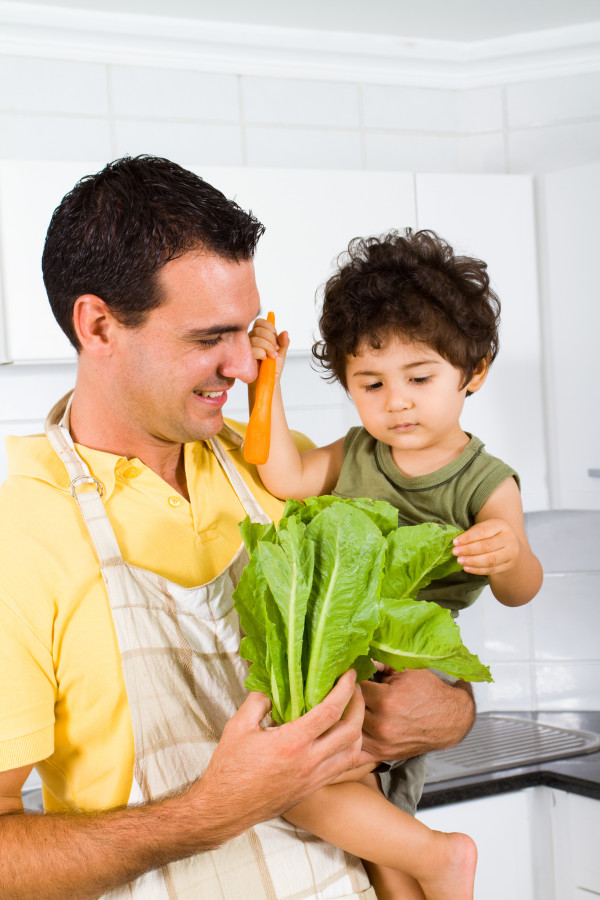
[{"x": 63, "y": 699}]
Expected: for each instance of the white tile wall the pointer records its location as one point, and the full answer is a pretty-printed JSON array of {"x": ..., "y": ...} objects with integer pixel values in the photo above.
[
  {"x": 189, "y": 143},
  {"x": 301, "y": 148},
  {"x": 159, "y": 94},
  {"x": 545, "y": 655},
  {"x": 282, "y": 101},
  {"x": 28, "y": 84},
  {"x": 54, "y": 137}
]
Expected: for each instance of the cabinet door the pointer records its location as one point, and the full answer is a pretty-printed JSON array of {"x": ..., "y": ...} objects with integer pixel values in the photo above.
[
  {"x": 492, "y": 217},
  {"x": 576, "y": 844},
  {"x": 29, "y": 193},
  {"x": 570, "y": 224},
  {"x": 500, "y": 826}
]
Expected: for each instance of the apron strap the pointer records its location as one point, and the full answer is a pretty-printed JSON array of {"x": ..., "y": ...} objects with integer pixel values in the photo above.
[
  {"x": 86, "y": 489},
  {"x": 245, "y": 495}
]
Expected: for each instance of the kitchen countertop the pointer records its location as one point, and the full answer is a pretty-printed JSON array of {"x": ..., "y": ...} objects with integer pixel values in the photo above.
[{"x": 574, "y": 774}]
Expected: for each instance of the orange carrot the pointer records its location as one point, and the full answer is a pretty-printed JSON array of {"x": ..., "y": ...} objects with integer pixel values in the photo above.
[{"x": 258, "y": 434}]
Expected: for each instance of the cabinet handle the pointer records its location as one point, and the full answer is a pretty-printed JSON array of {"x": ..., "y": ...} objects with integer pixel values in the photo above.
[{"x": 594, "y": 473}]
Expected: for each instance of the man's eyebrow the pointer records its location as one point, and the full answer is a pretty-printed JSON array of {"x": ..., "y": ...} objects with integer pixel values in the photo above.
[{"x": 212, "y": 330}]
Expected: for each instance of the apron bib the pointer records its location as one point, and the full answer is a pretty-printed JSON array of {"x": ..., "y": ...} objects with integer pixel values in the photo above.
[{"x": 185, "y": 679}]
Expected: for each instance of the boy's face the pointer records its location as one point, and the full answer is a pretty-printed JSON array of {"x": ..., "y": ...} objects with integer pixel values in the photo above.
[{"x": 410, "y": 397}]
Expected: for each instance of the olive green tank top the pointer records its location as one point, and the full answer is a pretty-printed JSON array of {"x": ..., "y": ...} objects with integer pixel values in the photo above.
[{"x": 452, "y": 495}]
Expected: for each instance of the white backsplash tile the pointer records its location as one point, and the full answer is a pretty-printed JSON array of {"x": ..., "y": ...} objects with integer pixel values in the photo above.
[
  {"x": 565, "y": 540},
  {"x": 284, "y": 101},
  {"x": 480, "y": 110},
  {"x": 408, "y": 108},
  {"x": 565, "y": 685},
  {"x": 495, "y": 632},
  {"x": 310, "y": 148},
  {"x": 512, "y": 688},
  {"x": 52, "y": 86},
  {"x": 554, "y": 147},
  {"x": 483, "y": 153},
  {"x": 412, "y": 152},
  {"x": 566, "y": 618},
  {"x": 187, "y": 143},
  {"x": 174, "y": 94},
  {"x": 31, "y": 136},
  {"x": 553, "y": 100}
]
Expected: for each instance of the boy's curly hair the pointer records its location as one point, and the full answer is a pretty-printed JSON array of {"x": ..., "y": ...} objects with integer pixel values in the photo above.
[{"x": 409, "y": 285}]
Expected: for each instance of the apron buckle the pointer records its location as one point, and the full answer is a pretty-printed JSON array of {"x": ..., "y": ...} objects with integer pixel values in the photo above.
[{"x": 87, "y": 479}]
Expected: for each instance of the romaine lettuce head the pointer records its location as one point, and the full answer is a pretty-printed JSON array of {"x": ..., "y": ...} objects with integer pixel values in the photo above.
[{"x": 334, "y": 587}]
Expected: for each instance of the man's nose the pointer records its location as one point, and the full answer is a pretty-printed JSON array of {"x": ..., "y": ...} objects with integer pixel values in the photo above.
[{"x": 240, "y": 362}]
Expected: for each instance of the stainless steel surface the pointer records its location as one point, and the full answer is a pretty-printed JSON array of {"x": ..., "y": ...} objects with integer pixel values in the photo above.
[{"x": 506, "y": 742}]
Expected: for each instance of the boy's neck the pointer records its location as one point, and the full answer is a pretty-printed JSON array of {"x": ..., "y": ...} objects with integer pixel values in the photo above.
[{"x": 426, "y": 460}]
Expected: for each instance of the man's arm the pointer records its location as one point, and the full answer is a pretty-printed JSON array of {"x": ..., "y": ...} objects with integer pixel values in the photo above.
[
  {"x": 255, "y": 773},
  {"x": 414, "y": 712}
]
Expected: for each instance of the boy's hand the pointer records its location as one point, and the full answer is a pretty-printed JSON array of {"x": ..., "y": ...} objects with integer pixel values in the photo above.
[
  {"x": 487, "y": 548},
  {"x": 266, "y": 342}
]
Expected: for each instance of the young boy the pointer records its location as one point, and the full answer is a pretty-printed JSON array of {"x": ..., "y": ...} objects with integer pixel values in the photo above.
[{"x": 410, "y": 330}]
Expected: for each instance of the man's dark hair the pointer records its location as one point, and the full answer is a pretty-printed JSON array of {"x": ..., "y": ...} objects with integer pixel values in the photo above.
[
  {"x": 408, "y": 285},
  {"x": 115, "y": 230}
]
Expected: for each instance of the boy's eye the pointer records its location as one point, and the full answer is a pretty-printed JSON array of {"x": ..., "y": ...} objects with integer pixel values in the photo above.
[
  {"x": 423, "y": 379},
  {"x": 373, "y": 387}
]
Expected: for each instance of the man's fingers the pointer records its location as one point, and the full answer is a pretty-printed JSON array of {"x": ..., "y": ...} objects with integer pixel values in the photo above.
[
  {"x": 330, "y": 710},
  {"x": 253, "y": 710}
]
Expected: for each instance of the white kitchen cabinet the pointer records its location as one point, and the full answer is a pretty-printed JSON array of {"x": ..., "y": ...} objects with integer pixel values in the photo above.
[
  {"x": 492, "y": 217},
  {"x": 29, "y": 193},
  {"x": 569, "y": 217},
  {"x": 575, "y": 845},
  {"x": 499, "y": 826},
  {"x": 534, "y": 844}
]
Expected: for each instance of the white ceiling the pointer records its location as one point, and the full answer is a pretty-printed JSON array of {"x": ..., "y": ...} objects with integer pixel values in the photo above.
[{"x": 447, "y": 20}]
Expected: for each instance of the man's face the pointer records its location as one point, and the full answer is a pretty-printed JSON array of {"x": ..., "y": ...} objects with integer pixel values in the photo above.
[{"x": 173, "y": 372}]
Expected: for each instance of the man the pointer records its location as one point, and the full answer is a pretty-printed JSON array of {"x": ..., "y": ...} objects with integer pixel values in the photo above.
[{"x": 119, "y": 553}]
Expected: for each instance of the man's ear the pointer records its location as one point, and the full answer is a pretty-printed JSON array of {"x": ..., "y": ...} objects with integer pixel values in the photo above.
[
  {"x": 479, "y": 375},
  {"x": 93, "y": 322}
]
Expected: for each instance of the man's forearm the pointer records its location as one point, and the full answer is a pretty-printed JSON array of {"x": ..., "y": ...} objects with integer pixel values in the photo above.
[{"x": 83, "y": 855}]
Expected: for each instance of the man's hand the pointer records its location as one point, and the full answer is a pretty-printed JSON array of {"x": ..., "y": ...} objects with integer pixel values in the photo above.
[
  {"x": 257, "y": 772},
  {"x": 412, "y": 712}
]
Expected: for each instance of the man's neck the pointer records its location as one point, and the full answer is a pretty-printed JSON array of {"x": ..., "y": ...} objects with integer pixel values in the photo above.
[{"x": 94, "y": 424}]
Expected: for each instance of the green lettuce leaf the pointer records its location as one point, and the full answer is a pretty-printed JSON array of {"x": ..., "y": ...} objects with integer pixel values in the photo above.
[
  {"x": 420, "y": 635},
  {"x": 334, "y": 587}
]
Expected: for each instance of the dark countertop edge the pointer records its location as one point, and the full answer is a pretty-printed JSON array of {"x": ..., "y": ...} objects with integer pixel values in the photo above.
[{"x": 458, "y": 792}]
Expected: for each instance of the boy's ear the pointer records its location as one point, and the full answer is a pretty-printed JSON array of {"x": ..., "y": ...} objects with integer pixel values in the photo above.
[{"x": 479, "y": 375}]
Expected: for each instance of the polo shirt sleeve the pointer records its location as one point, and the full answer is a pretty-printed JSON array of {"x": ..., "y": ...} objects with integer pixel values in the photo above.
[{"x": 28, "y": 692}]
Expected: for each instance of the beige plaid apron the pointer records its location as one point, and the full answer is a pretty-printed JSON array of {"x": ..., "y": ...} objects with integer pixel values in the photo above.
[{"x": 184, "y": 679}]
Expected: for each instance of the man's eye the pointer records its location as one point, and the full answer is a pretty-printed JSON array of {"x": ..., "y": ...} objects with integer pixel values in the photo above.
[
  {"x": 210, "y": 342},
  {"x": 373, "y": 387}
]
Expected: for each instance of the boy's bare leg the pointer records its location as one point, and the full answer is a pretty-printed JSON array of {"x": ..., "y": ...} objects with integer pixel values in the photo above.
[
  {"x": 392, "y": 884},
  {"x": 357, "y": 817}
]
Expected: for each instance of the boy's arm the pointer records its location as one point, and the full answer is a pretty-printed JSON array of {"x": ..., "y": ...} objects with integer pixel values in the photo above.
[
  {"x": 287, "y": 472},
  {"x": 497, "y": 546}
]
